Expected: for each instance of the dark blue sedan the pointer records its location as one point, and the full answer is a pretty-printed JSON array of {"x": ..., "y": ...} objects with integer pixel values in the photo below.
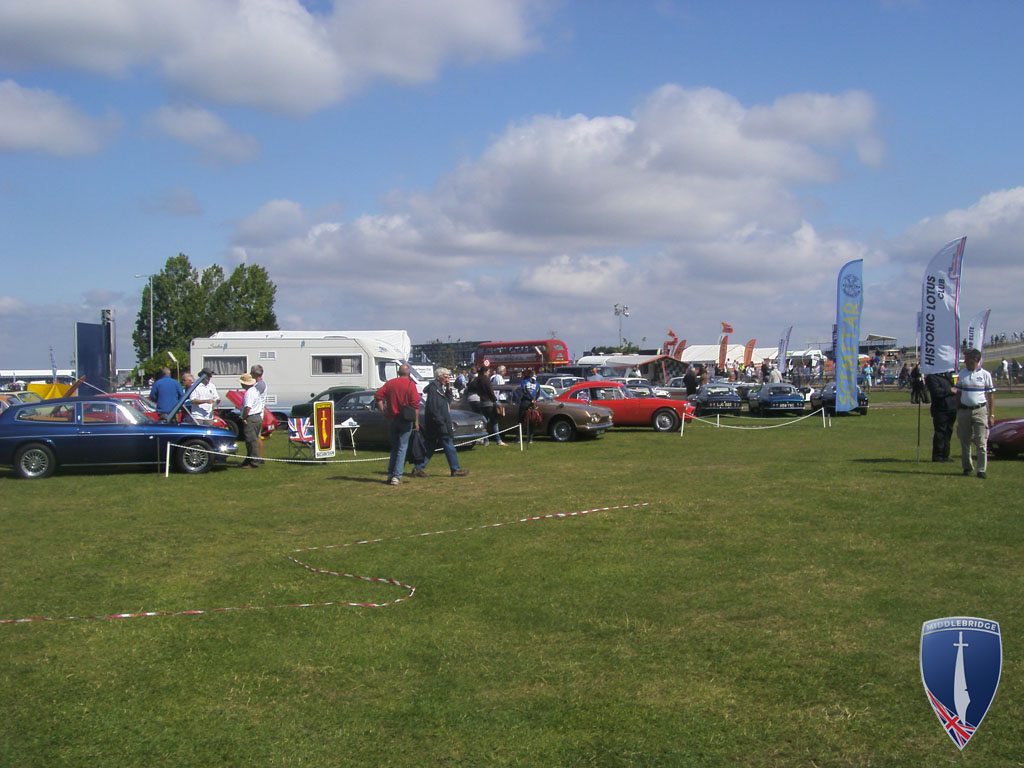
[
  {"x": 776, "y": 398},
  {"x": 826, "y": 398},
  {"x": 717, "y": 398},
  {"x": 37, "y": 438}
]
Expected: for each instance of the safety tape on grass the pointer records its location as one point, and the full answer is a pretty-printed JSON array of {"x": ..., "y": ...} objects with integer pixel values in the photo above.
[{"x": 410, "y": 590}]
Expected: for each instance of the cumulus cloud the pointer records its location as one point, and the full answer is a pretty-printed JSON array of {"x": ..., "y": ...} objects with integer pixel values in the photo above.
[
  {"x": 660, "y": 208},
  {"x": 205, "y": 131},
  {"x": 36, "y": 120},
  {"x": 271, "y": 54}
]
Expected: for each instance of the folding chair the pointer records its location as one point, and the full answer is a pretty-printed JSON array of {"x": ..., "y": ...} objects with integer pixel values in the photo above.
[{"x": 300, "y": 439}]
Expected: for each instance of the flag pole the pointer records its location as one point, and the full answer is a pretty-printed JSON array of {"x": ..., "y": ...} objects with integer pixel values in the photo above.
[{"x": 919, "y": 431}]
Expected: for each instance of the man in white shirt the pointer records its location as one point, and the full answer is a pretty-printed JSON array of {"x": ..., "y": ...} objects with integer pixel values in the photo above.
[
  {"x": 252, "y": 419},
  {"x": 498, "y": 379},
  {"x": 976, "y": 411},
  {"x": 204, "y": 398}
]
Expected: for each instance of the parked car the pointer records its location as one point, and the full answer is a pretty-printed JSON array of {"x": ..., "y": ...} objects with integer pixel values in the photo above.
[
  {"x": 559, "y": 381},
  {"x": 641, "y": 386},
  {"x": 662, "y": 414},
  {"x": 561, "y": 421},
  {"x": 237, "y": 397},
  {"x": 337, "y": 394},
  {"x": 717, "y": 398},
  {"x": 1006, "y": 438},
  {"x": 38, "y": 438},
  {"x": 373, "y": 429},
  {"x": 826, "y": 398},
  {"x": 148, "y": 407},
  {"x": 775, "y": 398}
]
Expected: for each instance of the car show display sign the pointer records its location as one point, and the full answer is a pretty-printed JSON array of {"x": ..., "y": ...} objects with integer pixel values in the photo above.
[
  {"x": 940, "y": 309},
  {"x": 976, "y": 330},
  {"x": 849, "y": 307},
  {"x": 323, "y": 429},
  {"x": 961, "y": 661}
]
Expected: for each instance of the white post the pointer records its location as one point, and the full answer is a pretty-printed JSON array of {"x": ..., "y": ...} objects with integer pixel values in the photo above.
[
  {"x": 167, "y": 461},
  {"x": 718, "y": 420},
  {"x": 823, "y": 417},
  {"x": 520, "y": 425}
]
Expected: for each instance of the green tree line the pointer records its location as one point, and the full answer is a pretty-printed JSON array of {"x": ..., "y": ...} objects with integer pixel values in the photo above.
[{"x": 188, "y": 304}]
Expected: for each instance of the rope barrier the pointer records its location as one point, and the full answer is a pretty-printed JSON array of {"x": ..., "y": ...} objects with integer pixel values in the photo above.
[
  {"x": 718, "y": 425},
  {"x": 167, "y": 463},
  {"x": 410, "y": 589}
]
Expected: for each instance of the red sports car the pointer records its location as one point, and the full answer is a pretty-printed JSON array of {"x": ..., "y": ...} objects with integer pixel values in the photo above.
[
  {"x": 270, "y": 422},
  {"x": 1006, "y": 438},
  {"x": 627, "y": 409}
]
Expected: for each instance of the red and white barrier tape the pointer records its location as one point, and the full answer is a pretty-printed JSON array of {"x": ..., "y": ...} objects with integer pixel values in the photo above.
[{"x": 411, "y": 590}]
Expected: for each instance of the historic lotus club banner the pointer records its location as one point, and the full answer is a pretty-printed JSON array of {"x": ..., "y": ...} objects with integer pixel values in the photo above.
[
  {"x": 849, "y": 307},
  {"x": 940, "y": 309}
]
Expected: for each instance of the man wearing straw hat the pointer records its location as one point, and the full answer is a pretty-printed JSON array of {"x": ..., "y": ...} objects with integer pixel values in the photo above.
[{"x": 252, "y": 420}]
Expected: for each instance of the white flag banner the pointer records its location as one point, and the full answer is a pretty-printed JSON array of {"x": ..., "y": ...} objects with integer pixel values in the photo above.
[
  {"x": 940, "y": 309},
  {"x": 976, "y": 330},
  {"x": 783, "y": 349}
]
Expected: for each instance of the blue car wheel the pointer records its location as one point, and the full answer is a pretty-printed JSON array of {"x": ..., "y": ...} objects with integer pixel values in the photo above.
[{"x": 34, "y": 461}]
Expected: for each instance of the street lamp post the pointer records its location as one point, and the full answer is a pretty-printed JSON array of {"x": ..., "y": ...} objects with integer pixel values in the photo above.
[
  {"x": 621, "y": 311},
  {"x": 150, "y": 278}
]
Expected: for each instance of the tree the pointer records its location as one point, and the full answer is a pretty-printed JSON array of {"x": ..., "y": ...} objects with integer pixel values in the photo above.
[
  {"x": 245, "y": 301},
  {"x": 187, "y": 305}
]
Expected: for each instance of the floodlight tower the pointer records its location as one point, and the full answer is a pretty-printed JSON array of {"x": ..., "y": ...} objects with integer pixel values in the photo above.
[{"x": 621, "y": 311}]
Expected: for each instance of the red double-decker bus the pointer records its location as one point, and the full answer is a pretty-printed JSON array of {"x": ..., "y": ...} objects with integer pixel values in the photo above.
[{"x": 540, "y": 355}]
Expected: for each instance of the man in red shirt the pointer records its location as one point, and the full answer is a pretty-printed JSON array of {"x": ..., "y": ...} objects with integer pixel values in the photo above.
[{"x": 399, "y": 401}]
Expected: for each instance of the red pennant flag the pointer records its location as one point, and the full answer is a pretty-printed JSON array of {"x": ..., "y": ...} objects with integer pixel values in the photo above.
[{"x": 726, "y": 328}]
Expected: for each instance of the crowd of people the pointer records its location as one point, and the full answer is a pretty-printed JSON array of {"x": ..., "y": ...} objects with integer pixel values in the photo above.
[{"x": 399, "y": 400}]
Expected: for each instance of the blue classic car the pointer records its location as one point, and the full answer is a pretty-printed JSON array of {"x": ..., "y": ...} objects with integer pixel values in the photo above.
[
  {"x": 775, "y": 398},
  {"x": 717, "y": 398},
  {"x": 37, "y": 438}
]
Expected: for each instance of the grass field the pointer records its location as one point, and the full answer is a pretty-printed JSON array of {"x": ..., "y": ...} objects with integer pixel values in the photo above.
[{"x": 765, "y": 611}]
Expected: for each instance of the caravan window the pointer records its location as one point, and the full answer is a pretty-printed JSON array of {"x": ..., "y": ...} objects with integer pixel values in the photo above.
[
  {"x": 337, "y": 365},
  {"x": 226, "y": 366},
  {"x": 388, "y": 369}
]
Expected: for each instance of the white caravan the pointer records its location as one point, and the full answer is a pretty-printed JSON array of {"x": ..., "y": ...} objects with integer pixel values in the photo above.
[{"x": 300, "y": 364}]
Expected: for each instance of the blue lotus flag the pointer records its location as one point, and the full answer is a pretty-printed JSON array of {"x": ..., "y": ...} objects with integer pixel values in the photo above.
[
  {"x": 849, "y": 307},
  {"x": 961, "y": 661}
]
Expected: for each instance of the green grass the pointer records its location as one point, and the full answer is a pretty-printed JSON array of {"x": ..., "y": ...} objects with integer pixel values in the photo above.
[{"x": 766, "y": 612}]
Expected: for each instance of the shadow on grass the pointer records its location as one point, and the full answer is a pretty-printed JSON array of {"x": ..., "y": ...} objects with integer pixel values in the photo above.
[{"x": 883, "y": 460}]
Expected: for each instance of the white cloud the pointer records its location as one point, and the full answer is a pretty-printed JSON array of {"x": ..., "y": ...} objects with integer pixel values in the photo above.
[
  {"x": 205, "y": 131},
  {"x": 271, "y": 54},
  {"x": 661, "y": 209},
  {"x": 36, "y": 120}
]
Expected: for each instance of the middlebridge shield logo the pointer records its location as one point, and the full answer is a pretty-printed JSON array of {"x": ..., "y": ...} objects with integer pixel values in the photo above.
[{"x": 961, "y": 659}]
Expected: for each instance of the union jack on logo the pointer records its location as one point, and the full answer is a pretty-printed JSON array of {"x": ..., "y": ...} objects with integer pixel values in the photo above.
[{"x": 959, "y": 731}]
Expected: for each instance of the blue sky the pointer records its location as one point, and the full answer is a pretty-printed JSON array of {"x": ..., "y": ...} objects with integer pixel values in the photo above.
[{"x": 500, "y": 169}]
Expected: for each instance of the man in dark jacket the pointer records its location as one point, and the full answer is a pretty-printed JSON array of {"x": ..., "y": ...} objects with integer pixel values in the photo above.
[
  {"x": 437, "y": 424},
  {"x": 944, "y": 403}
]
